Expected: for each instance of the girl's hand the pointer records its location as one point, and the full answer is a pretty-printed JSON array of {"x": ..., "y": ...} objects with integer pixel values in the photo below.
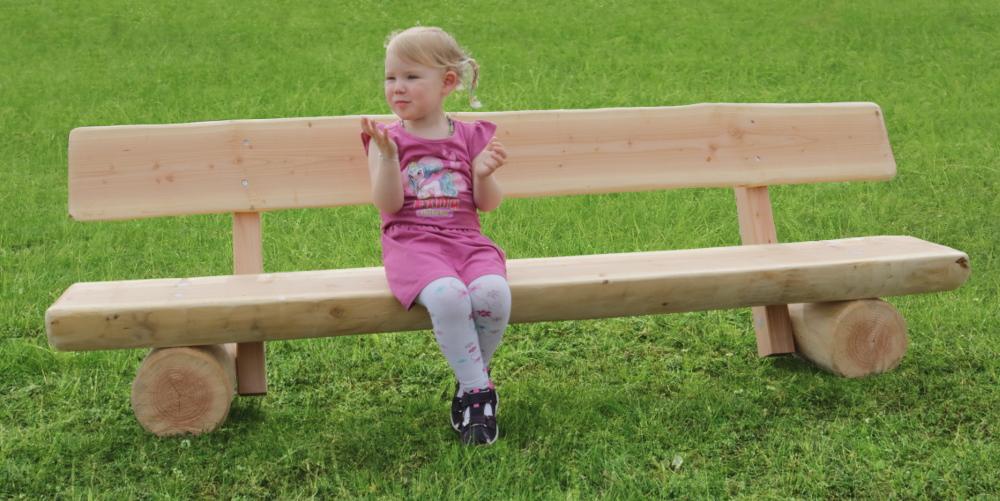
[
  {"x": 492, "y": 158},
  {"x": 385, "y": 145}
]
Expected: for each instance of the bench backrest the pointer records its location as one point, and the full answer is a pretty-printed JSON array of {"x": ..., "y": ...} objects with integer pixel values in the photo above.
[{"x": 134, "y": 171}]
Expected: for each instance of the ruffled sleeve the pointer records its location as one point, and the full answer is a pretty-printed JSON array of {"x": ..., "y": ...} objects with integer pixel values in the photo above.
[{"x": 479, "y": 136}]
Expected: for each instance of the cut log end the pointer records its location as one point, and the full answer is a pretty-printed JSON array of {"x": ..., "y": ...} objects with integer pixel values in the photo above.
[
  {"x": 184, "y": 390},
  {"x": 850, "y": 338}
]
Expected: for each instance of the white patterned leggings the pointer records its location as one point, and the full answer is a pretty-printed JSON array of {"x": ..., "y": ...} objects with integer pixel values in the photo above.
[{"x": 469, "y": 323}]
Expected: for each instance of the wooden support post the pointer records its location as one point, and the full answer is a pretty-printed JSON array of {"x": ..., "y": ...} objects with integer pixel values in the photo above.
[
  {"x": 772, "y": 323},
  {"x": 248, "y": 257}
]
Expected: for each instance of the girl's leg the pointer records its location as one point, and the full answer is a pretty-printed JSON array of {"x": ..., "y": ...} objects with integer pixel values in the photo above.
[
  {"x": 490, "y": 296},
  {"x": 447, "y": 300}
]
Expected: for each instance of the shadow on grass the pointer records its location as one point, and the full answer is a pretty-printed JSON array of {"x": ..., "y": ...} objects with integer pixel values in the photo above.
[
  {"x": 246, "y": 412},
  {"x": 793, "y": 363}
]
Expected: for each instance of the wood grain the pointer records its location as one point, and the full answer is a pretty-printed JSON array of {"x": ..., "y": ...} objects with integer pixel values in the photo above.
[
  {"x": 248, "y": 259},
  {"x": 135, "y": 171},
  {"x": 771, "y": 324},
  {"x": 271, "y": 306},
  {"x": 184, "y": 390},
  {"x": 850, "y": 338}
]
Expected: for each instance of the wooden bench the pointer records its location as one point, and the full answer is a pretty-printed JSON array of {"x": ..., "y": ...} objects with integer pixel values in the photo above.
[{"x": 208, "y": 332}]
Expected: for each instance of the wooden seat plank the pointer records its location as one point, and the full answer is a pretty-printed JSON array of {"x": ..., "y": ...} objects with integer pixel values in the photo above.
[{"x": 291, "y": 305}]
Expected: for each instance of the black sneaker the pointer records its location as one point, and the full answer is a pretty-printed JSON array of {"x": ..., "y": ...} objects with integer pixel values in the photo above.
[
  {"x": 456, "y": 404},
  {"x": 477, "y": 427}
]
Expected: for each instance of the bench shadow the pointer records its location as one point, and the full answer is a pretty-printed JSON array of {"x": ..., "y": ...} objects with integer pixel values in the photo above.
[
  {"x": 793, "y": 363},
  {"x": 246, "y": 411},
  {"x": 532, "y": 417}
]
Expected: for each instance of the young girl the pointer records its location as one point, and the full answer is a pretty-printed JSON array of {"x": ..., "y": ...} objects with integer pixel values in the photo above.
[{"x": 430, "y": 173}]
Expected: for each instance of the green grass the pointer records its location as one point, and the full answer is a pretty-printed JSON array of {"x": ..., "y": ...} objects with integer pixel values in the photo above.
[{"x": 674, "y": 405}]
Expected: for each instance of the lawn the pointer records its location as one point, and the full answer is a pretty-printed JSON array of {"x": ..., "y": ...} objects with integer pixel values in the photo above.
[{"x": 658, "y": 406}]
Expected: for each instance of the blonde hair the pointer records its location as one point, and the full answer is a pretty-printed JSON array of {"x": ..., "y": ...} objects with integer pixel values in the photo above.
[{"x": 434, "y": 47}]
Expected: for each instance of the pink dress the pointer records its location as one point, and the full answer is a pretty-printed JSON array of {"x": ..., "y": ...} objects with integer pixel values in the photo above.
[{"x": 437, "y": 232}]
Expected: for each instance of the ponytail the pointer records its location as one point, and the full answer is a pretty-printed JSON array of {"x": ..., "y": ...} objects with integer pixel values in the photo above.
[{"x": 474, "y": 68}]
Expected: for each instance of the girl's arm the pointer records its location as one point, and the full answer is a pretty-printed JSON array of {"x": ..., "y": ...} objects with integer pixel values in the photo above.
[
  {"x": 486, "y": 192},
  {"x": 383, "y": 167},
  {"x": 387, "y": 184},
  {"x": 485, "y": 189}
]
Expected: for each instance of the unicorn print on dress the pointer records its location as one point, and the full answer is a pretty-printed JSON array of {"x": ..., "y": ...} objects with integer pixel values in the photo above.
[
  {"x": 435, "y": 185},
  {"x": 428, "y": 177}
]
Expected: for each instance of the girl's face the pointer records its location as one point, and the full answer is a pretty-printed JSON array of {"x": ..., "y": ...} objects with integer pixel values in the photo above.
[{"x": 414, "y": 91}]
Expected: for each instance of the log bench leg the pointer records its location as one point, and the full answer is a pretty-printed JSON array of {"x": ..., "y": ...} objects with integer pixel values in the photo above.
[
  {"x": 184, "y": 390},
  {"x": 850, "y": 338}
]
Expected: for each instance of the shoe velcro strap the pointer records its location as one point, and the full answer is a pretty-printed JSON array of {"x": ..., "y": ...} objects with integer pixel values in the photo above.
[
  {"x": 480, "y": 420},
  {"x": 482, "y": 397}
]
